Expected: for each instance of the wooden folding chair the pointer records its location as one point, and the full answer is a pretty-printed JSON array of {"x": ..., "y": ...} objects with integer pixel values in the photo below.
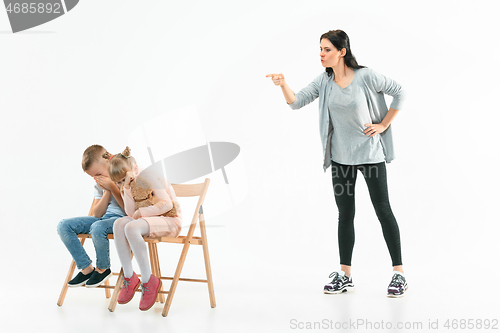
[{"x": 189, "y": 190}]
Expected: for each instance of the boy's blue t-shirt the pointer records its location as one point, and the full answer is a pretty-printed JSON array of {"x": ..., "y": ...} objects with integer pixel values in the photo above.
[{"x": 113, "y": 206}]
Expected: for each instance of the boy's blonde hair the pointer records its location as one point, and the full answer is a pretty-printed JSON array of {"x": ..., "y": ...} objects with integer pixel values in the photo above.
[
  {"x": 119, "y": 164},
  {"x": 91, "y": 155}
]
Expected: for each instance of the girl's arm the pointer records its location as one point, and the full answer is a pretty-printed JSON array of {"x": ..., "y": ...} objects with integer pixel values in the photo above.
[
  {"x": 129, "y": 202},
  {"x": 164, "y": 203},
  {"x": 128, "y": 199}
]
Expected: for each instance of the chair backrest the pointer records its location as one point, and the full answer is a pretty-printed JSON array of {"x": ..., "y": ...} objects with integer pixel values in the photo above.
[
  {"x": 189, "y": 190},
  {"x": 192, "y": 190}
]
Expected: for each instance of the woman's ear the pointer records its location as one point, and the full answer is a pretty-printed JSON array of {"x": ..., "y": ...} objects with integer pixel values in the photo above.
[{"x": 136, "y": 169}]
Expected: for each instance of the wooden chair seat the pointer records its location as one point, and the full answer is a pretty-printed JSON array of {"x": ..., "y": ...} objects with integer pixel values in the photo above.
[{"x": 195, "y": 240}]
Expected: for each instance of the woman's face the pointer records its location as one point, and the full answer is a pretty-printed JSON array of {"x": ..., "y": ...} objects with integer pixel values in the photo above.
[{"x": 330, "y": 56}]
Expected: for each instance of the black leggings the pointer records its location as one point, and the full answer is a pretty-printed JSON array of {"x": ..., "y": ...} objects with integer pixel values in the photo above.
[{"x": 344, "y": 179}]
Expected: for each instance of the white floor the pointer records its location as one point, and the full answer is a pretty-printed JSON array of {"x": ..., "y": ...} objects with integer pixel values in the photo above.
[{"x": 272, "y": 282}]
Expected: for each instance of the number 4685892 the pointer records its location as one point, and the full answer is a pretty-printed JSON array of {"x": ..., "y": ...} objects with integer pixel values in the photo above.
[{"x": 34, "y": 7}]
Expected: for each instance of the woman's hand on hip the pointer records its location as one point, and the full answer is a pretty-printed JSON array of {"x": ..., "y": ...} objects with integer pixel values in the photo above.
[
  {"x": 373, "y": 129},
  {"x": 278, "y": 79}
]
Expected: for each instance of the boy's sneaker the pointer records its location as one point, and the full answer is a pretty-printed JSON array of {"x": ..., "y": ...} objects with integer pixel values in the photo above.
[
  {"x": 129, "y": 287},
  {"x": 149, "y": 292},
  {"x": 96, "y": 279},
  {"x": 80, "y": 279},
  {"x": 398, "y": 286},
  {"x": 339, "y": 284}
]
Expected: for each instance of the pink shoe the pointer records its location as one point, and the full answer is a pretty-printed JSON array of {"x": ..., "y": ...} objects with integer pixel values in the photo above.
[
  {"x": 129, "y": 287},
  {"x": 149, "y": 292}
]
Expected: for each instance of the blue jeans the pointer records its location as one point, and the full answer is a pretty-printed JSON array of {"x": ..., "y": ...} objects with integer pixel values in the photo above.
[{"x": 98, "y": 228}]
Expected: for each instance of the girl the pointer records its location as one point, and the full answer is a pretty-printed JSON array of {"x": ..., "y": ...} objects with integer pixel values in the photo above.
[
  {"x": 145, "y": 221},
  {"x": 355, "y": 133}
]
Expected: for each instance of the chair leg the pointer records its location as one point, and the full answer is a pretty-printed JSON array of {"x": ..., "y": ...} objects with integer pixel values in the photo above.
[
  {"x": 106, "y": 290},
  {"x": 207, "y": 264},
  {"x": 71, "y": 270},
  {"x": 158, "y": 270},
  {"x": 175, "y": 280},
  {"x": 116, "y": 291},
  {"x": 65, "y": 286},
  {"x": 153, "y": 264}
]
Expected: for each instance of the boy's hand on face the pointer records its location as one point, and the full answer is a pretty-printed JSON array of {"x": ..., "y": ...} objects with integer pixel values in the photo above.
[{"x": 104, "y": 182}]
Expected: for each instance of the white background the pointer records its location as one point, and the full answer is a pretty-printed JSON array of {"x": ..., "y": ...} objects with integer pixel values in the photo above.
[{"x": 96, "y": 73}]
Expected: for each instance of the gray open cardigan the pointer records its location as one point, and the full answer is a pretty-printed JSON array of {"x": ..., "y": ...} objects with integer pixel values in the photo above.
[{"x": 374, "y": 85}]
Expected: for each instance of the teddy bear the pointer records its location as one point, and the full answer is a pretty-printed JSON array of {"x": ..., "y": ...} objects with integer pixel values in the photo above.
[{"x": 144, "y": 197}]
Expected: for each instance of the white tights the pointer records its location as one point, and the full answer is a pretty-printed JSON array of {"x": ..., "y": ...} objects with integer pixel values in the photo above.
[{"x": 128, "y": 237}]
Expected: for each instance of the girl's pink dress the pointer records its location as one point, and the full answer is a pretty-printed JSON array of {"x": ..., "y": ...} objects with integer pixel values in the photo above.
[{"x": 159, "y": 226}]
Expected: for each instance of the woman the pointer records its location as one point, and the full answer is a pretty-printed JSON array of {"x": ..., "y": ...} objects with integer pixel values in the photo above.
[{"x": 356, "y": 135}]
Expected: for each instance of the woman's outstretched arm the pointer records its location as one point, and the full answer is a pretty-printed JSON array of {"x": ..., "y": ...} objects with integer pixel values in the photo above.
[{"x": 279, "y": 80}]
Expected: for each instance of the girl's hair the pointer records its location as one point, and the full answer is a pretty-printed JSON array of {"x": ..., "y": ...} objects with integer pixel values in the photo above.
[
  {"x": 340, "y": 40},
  {"x": 119, "y": 164},
  {"x": 91, "y": 155}
]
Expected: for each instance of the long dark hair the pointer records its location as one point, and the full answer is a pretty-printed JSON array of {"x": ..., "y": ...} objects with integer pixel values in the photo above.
[{"x": 339, "y": 39}]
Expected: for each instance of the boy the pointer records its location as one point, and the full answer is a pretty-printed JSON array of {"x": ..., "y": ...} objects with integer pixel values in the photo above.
[{"x": 106, "y": 208}]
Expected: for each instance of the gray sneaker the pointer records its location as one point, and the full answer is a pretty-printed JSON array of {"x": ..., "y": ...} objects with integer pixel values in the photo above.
[
  {"x": 398, "y": 286},
  {"x": 339, "y": 284}
]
